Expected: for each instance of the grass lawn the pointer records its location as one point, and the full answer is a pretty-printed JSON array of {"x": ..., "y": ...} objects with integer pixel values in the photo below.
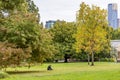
[{"x": 70, "y": 71}]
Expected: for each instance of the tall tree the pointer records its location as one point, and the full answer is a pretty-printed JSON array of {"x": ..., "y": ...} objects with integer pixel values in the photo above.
[
  {"x": 62, "y": 32},
  {"x": 44, "y": 48},
  {"x": 21, "y": 28},
  {"x": 91, "y": 35}
]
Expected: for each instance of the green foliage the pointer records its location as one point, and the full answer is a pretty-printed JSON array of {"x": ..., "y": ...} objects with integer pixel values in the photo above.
[
  {"x": 13, "y": 4},
  {"x": 62, "y": 37},
  {"x": 32, "y": 8},
  {"x": 21, "y": 28},
  {"x": 107, "y": 60},
  {"x": 91, "y": 34},
  {"x": 19, "y": 25},
  {"x": 44, "y": 49},
  {"x": 22, "y": 31},
  {"x": 3, "y": 75},
  {"x": 25, "y": 32},
  {"x": 116, "y": 34}
]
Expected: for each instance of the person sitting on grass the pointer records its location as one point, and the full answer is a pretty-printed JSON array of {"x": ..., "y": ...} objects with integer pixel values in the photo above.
[{"x": 49, "y": 67}]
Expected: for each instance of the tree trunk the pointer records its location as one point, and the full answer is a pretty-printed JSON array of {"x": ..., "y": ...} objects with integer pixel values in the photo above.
[
  {"x": 92, "y": 63},
  {"x": 65, "y": 57},
  {"x": 65, "y": 60},
  {"x": 29, "y": 65},
  {"x": 88, "y": 59}
]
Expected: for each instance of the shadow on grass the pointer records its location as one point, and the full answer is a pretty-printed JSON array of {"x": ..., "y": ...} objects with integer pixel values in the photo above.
[{"x": 22, "y": 72}]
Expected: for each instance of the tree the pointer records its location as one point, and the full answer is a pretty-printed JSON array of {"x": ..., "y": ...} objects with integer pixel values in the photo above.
[
  {"x": 10, "y": 55},
  {"x": 21, "y": 28},
  {"x": 44, "y": 48},
  {"x": 10, "y": 31},
  {"x": 91, "y": 34},
  {"x": 32, "y": 8},
  {"x": 25, "y": 32},
  {"x": 11, "y": 4},
  {"x": 63, "y": 39},
  {"x": 116, "y": 34}
]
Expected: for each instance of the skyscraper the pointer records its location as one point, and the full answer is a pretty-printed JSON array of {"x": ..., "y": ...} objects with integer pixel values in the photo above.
[{"x": 113, "y": 15}]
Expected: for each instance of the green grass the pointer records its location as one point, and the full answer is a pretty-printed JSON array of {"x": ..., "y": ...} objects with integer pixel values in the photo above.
[{"x": 70, "y": 71}]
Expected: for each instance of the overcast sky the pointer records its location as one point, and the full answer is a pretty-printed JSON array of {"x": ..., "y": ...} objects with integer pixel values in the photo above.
[{"x": 66, "y": 9}]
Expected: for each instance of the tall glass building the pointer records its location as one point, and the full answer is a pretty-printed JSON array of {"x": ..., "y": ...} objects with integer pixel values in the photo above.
[{"x": 113, "y": 15}]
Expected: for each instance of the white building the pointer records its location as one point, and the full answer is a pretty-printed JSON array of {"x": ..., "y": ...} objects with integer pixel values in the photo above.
[{"x": 115, "y": 51}]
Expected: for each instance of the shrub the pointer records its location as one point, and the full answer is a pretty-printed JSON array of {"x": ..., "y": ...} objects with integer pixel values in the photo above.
[
  {"x": 107, "y": 59},
  {"x": 3, "y": 75}
]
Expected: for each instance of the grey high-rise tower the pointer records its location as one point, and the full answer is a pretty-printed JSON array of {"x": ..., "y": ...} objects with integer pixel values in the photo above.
[{"x": 113, "y": 15}]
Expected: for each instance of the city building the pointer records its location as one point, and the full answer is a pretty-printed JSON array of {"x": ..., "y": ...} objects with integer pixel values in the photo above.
[
  {"x": 113, "y": 15},
  {"x": 49, "y": 24},
  {"x": 115, "y": 50},
  {"x": 118, "y": 23}
]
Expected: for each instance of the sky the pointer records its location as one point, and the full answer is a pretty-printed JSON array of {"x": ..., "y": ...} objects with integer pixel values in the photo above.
[{"x": 66, "y": 9}]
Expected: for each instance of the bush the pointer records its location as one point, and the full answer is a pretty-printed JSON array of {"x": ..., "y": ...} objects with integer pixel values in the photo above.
[
  {"x": 107, "y": 59},
  {"x": 3, "y": 75}
]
